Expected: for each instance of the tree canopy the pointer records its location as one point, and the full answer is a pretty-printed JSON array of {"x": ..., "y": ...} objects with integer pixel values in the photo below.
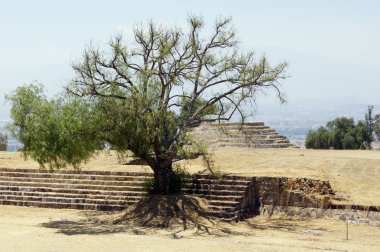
[
  {"x": 143, "y": 95},
  {"x": 340, "y": 133}
]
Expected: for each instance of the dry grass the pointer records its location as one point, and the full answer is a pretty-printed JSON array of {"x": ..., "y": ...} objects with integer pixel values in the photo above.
[{"x": 353, "y": 174}]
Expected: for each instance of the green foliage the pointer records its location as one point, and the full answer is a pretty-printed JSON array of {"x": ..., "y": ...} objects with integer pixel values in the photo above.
[
  {"x": 3, "y": 142},
  {"x": 54, "y": 132},
  {"x": 341, "y": 133},
  {"x": 318, "y": 139},
  {"x": 338, "y": 128},
  {"x": 148, "y": 185},
  {"x": 178, "y": 177}
]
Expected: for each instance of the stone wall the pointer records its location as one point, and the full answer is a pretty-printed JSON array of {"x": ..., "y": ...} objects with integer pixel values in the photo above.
[{"x": 296, "y": 192}]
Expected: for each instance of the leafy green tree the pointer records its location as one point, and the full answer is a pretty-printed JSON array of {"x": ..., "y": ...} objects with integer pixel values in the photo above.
[
  {"x": 340, "y": 133},
  {"x": 363, "y": 135},
  {"x": 310, "y": 140},
  {"x": 144, "y": 96},
  {"x": 349, "y": 142},
  {"x": 338, "y": 129},
  {"x": 318, "y": 139},
  {"x": 3, "y": 142},
  {"x": 54, "y": 132}
]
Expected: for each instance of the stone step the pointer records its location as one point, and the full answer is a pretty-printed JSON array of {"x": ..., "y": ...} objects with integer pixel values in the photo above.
[
  {"x": 221, "y": 198},
  {"x": 68, "y": 200},
  {"x": 225, "y": 177},
  {"x": 76, "y": 172},
  {"x": 248, "y": 133},
  {"x": 222, "y": 209},
  {"x": 221, "y": 182},
  {"x": 281, "y": 141},
  {"x": 249, "y": 142},
  {"x": 94, "y": 190},
  {"x": 255, "y": 135},
  {"x": 211, "y": 192},
  {"x": 239, "y": 123},
  {"x": 236, "y": 188},
  {"x": 69, "y": 190},
  {"x": 72, "y": 176},
  {"x": 223, "y": 203},
  {"x": 72, "y": 195},
  {"x": 244, "y": 139},
  {"x": 72, "y": 186},
  {"x": 227, "y": 216},
  {"x": 63, "y": 205},
  {"x": 233, "y": 127},
  {"x": 253, "y": 145},
  {"x": 73, "y": 181},
  {"x": 276, "y": 137}
]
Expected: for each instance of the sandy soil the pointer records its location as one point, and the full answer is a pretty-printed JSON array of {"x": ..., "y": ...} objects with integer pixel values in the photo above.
[
  {"x": 353, "y": 174},
  {"x": 32, "y": 229}
]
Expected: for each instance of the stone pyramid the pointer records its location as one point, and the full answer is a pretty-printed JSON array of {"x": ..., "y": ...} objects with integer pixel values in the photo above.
[{"x": 255, "y": 135}]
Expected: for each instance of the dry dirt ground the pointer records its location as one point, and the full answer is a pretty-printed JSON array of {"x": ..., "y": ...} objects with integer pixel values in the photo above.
[
  {"x": 32, "y": 229},
  {"x": 353, "y": 174}
]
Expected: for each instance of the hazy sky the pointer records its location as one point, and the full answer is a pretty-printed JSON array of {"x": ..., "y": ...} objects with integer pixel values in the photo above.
[{"x": 332, "y": 46}]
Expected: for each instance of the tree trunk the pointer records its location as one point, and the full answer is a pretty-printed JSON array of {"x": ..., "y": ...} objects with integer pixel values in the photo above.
[{"x": 161, "y": 179}]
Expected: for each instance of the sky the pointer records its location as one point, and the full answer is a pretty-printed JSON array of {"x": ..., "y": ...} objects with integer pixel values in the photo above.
[{"x": 331, "y": 46}]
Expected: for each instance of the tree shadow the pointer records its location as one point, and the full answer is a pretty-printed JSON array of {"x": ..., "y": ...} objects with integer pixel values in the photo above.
[
  {"x": 168, "y": 211},
  {"x": 86, "y": 226},
  {"x": 174, "y": 213},
  {"x": 289, "y": 225}
]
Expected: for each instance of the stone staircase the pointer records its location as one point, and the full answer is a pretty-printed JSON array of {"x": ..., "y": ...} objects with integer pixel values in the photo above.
[
  {"x": 109, "y": 191},
  {"x": 228, "y": 197},
  {"x": 255, "y": 135},
  {"x": 65, "y": 189}
]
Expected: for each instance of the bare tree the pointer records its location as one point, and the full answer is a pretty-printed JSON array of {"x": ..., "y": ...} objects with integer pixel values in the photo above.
[{"x": 149, "y": 91}]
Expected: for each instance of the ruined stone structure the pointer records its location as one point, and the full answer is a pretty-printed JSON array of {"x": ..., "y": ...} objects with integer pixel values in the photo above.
[
  {"x": 228, "y": 197},
  {"x": 255, "y": 135}
]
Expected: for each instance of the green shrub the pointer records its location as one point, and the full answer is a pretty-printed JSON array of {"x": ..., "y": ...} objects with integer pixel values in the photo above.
[
  {"x": 341, "y": 133},
  {"x": 148, "y": 185},
  {"x": 177, "y": 179}
]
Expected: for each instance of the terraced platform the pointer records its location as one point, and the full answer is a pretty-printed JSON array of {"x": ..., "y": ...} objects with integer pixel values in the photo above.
[
  {"x": 228, "y": 198},
  {"x": 255, "y": 135}
]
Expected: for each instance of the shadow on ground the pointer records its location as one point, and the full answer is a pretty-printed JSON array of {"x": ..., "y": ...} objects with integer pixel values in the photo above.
[
  {"x": 171, "y": 215},
  {"x": 86, "y": 226},
  {"x": 174, "y": 212}
]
